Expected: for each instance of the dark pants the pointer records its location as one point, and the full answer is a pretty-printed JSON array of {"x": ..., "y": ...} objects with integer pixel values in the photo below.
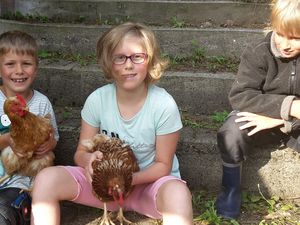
[
  {"x": 8, "y": 214},
  {"x": 234, "y": 144}
]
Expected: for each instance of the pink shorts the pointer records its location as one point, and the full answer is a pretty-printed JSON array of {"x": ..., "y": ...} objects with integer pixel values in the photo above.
[{"x": 142, "y": 199}]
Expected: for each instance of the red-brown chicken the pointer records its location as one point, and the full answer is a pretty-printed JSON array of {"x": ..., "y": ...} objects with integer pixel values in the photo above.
[
  {"x": 112, "y": 175},
  {"x": 28, "y": 132}
]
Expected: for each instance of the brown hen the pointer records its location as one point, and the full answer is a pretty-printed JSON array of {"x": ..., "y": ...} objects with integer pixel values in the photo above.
[
  {"x": 28, "y": 132},
  {"x": 112, "y": 175}
]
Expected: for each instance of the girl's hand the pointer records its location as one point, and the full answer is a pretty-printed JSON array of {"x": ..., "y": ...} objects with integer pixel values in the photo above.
[
  {"x": 47, "y": 146},
  {"x": 89, "y": 169},
  {"x": 257, "y": 121}
]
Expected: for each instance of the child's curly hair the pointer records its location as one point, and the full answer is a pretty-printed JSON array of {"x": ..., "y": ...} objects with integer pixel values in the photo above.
[
  {"x": 110, "y": 39},
  {"x": 285, "y": 16}
]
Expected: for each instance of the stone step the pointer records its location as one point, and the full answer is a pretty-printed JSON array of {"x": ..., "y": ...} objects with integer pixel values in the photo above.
[
  {"x": 275, "y": 169},
  {"x": 82, "y": 39},
  {"x": 165, "y": 13},
  {"x": 75, "y": 214},
  {"x": 69, "y": 84}
]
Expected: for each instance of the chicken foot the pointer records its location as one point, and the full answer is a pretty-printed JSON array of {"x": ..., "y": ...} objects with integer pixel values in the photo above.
[
  {"x": 121, "y": 218},
  {"x": 106, "y": 220}
]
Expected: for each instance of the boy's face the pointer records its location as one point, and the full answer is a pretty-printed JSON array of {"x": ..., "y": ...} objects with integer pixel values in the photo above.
[
  {"x": 18, "y": 72},
  {"x": 287, "y": 45}
]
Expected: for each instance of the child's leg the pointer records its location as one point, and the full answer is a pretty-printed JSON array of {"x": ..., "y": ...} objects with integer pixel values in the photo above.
[
  {"x": 233, "y": 145},
  {"x": 51, "y": 185},
  {"x": 174, "y": 203},
  {"x": 168, "y": 198}
]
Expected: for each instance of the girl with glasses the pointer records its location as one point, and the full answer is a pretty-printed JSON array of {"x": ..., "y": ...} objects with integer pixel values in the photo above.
[{"x": 132, "y": 108}]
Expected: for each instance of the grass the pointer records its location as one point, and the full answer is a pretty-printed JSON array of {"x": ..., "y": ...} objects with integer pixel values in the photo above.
[
  {"x": 255, "y": 207},
  {"x": 196, "y": 61},
  {"x": 213, "y": 121},
  {"x": 174, "y": 21},
  {"x": 27, "y": 18},
  {"x": 82, "y": 60}
]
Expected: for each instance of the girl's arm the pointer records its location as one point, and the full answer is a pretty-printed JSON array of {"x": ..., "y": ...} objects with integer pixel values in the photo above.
[
  {"x": 82, "y": 157},
  {"x": 165, "y": 150}
]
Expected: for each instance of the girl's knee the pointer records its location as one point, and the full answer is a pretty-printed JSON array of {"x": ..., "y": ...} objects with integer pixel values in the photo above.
[
  {"x": 174, "y": 202},
  {"x": 46, "y": 176},
  {"x": 54, "y": 184},
  {"x": 174, "y": 190},
  {"x": 47, "y": 181}
]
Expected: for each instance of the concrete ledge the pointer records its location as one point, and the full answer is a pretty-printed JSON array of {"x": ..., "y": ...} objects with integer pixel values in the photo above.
[
  {"x": 67, "y": 84},
  {"x": 193, "y": 13},
  {"x": 81, "y": 39},
  {"x": 74, "y": 214},
  {"x": 275, "y": 169}
]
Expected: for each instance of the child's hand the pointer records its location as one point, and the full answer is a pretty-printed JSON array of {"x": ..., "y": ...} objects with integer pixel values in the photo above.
[
  {"x": 47, "y": 146},
  {"x": 11, "y": 143},
  {"x": 97, "y": 155},
  {"x": 257, "y": 121}
]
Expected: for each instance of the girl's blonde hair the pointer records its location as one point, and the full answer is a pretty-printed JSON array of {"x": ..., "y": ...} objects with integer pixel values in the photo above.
[
  {"x": 285, "y": 16},
  {"x": 18, "y": 42},
  {"x": 110, "y": 40}
]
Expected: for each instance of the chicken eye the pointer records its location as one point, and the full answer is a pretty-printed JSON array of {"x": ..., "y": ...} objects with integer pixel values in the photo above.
[{"x": 5, "y": 120}]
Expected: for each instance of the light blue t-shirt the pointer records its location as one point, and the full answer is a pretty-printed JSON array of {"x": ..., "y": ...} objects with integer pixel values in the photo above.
[
  {"x": 158, "y": 116},
  {"x": 40, "y": 105}
]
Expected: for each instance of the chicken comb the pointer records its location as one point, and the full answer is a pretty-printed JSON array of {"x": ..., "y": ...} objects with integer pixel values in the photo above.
[{"x": 21, "y": 99}]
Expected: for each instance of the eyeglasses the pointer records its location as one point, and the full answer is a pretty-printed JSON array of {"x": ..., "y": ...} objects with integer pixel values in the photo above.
[{"x": 136, "y": 58}]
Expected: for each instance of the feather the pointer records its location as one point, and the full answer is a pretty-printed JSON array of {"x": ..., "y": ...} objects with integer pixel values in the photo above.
[
  {"x": 112, "y": 175},
  {"x": 28, "y": 132}
]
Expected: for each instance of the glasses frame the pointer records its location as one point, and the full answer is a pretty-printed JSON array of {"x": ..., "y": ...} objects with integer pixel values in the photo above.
[{"x": 145, "y": 56}]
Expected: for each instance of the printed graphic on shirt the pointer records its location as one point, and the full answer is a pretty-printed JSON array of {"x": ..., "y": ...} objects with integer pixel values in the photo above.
[{"x": 4, "y": 124}]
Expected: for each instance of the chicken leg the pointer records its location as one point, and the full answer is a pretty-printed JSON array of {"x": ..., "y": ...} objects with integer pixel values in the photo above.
[
  {"x": 121, "y": 218},
  {"x": 106, "y": 220}
]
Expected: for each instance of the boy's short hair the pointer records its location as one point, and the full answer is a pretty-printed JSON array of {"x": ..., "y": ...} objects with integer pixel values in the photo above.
[
  {"x": 285, "y": 16},
  {"x": 111, "y": 38},
  {"x": 18, "y": 42}
]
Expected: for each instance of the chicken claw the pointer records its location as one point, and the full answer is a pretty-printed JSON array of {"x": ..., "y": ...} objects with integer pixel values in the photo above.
[
  {"x": 106, "y": 220},
  {"x": 121, "y": 218}
]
